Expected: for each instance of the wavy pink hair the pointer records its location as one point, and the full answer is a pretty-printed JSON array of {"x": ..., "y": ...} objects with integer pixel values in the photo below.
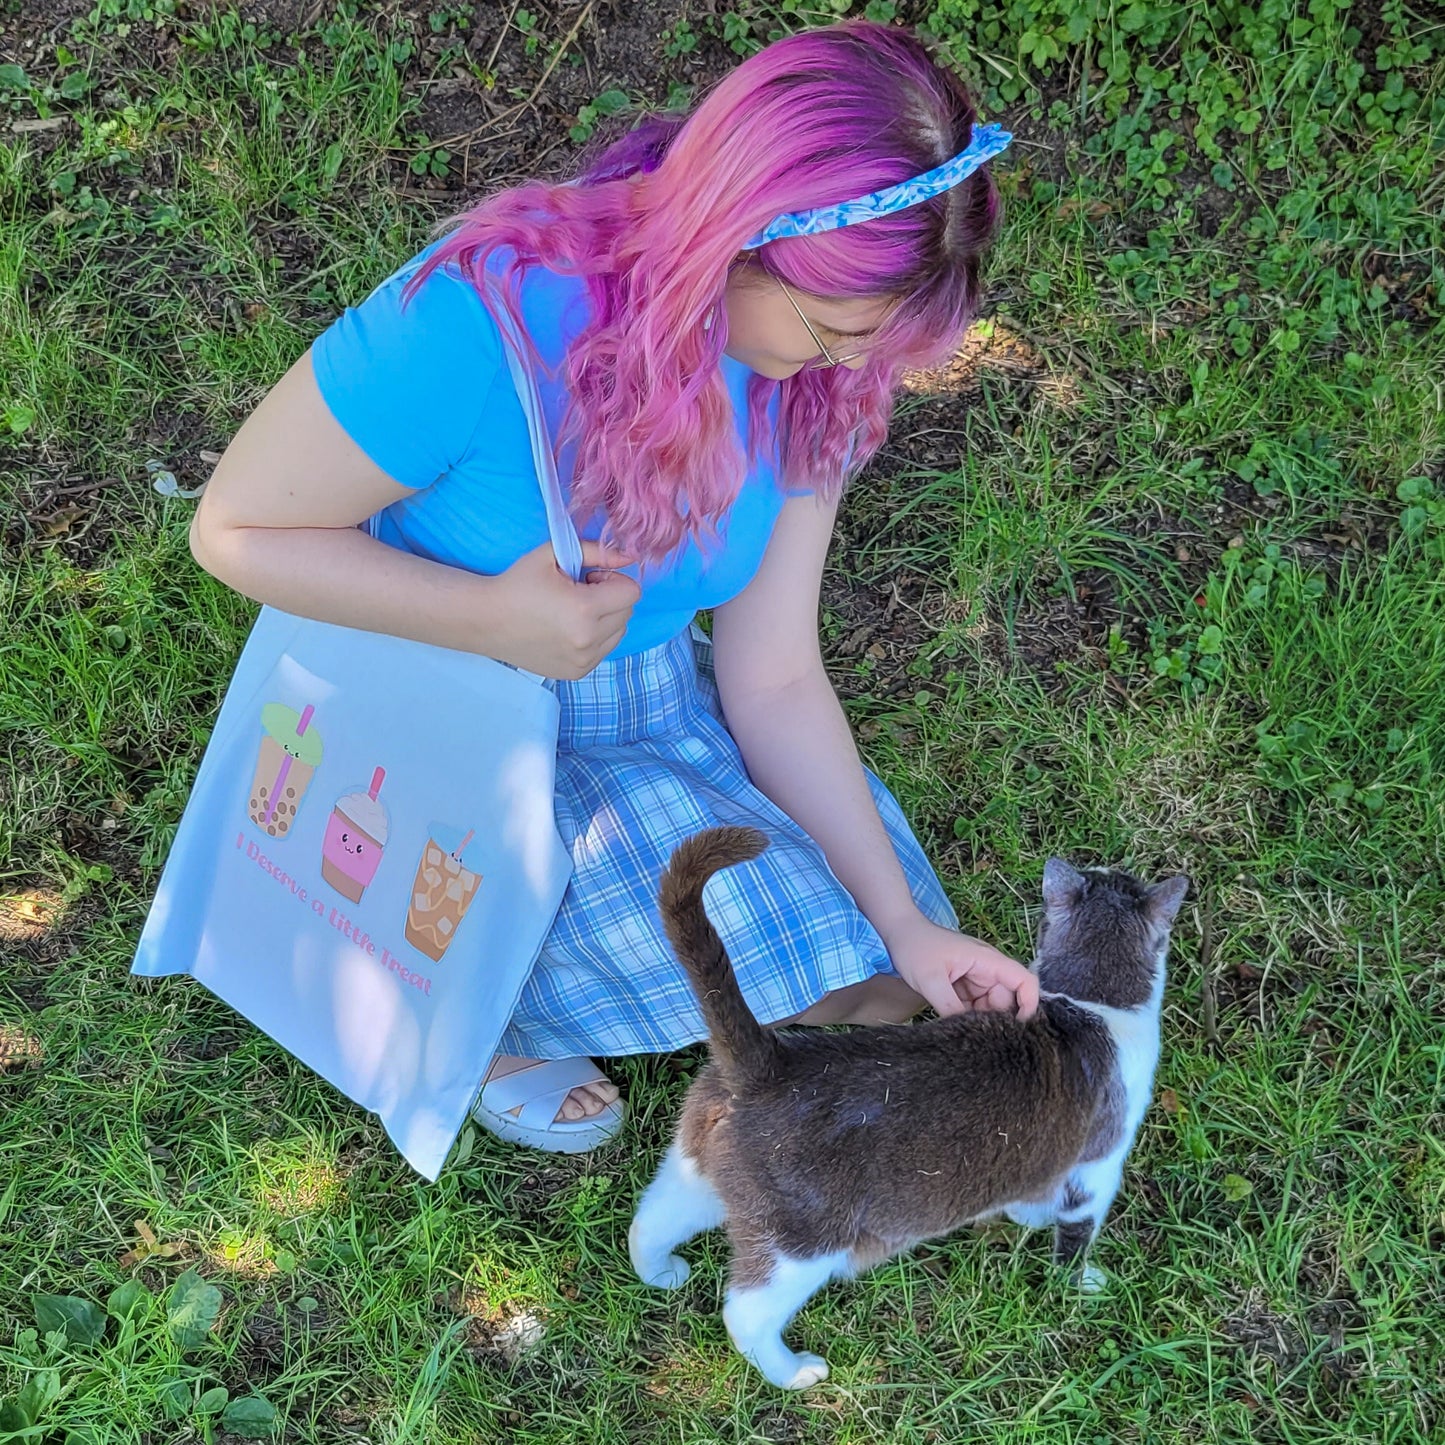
[{"x": 653, "y": 225}]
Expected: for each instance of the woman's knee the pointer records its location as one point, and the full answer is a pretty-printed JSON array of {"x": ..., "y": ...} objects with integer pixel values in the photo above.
[
  {"x": 882, "y": 999},
  {"x": 887, "y": 1000}
]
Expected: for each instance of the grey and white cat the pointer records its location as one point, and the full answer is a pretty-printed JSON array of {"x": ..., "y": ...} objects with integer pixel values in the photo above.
[{"x": 825, "y": 1153}]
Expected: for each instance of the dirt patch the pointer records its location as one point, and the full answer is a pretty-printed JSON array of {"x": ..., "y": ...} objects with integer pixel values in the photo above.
[
  {"x": 204, "y": 1047},
  {"x": 262, "y": 1348},
  {"x": 780, "y": 1427},
  {"x": 513, "y": 121},
  {"x": 79, "y": 505},
  {"x": 28, "y": 915},
  {"x": 886, "y": 626},
  {"x": 38, "y": 22},
  {"x": 1268, "y": 1336},
  {"x": 285, "y": 16},
  {"x": 56, "y": 507},
  {"x": 535, "y": 1193},
  {"x": 989, "y": 345},
  {"x": 1247, "y": 996},
  {"x": 19, "y": 1050},
  {"x": 39, "y": 930},
  {"x": 1264, "y": 1335},
  {"x": 505, "y": 1333}
]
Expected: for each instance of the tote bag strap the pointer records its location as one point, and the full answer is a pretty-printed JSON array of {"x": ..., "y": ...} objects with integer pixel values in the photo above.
[
  {"x": 559, "y": 523},
  {"x": 565, "y": 543}
]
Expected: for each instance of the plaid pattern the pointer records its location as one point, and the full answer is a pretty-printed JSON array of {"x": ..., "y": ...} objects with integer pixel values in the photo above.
[{"x": 643, "y": 762}]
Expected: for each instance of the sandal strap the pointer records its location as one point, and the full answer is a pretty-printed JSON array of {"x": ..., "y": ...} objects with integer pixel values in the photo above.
[{"x": 539, "y": 1089}]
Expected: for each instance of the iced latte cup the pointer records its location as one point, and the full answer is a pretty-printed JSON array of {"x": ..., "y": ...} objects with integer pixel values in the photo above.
[{"x": 442, "y": 892}]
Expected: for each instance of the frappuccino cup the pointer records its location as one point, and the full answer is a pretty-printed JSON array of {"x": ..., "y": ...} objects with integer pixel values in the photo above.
[{"x": 355, "y": 836}]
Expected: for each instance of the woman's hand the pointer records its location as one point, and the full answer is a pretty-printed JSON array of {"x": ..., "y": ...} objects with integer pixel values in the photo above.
[
  {"x": 280, "y": 521},
  {"x": 958, "y": 974},
  {"x": 552, "y": 625}
]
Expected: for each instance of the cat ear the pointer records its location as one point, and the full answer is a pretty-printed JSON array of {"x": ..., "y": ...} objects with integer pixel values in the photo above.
[
  {"x": 1165, "y": 898},
  {"x": 1063, "y": 883}
]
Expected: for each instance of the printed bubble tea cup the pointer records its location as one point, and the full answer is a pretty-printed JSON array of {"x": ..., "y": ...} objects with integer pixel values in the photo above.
[
  {"x": 289, "y": 756},
  {"x": 442, "y": 892},
  {"x": 355, "y": 837}
]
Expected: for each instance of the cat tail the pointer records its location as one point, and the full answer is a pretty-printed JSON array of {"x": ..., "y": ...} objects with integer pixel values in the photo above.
[{"x": 743, "y": 1047}]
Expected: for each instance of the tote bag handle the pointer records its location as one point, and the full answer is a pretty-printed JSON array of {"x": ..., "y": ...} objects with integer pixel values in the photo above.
[
  {"x": 559, "y": 523},
  {"x": 565, "y": 543}
]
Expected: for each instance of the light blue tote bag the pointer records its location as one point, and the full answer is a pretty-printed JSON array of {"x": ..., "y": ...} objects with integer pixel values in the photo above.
[{"x": 369, "y": 861}]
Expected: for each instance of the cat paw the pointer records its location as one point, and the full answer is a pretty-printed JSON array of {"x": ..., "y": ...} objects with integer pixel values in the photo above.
[
  {"x": 672, "y": 1273},
  {"x": 811, "y": 1370},
  {"x": 1092, "y": 1279}
]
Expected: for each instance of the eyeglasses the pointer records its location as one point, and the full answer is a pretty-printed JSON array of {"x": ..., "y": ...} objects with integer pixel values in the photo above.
[{"x": 826, "y": 358}]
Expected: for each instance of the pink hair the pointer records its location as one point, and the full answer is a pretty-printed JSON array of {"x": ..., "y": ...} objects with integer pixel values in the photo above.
[{"x": 656, "y": 221}]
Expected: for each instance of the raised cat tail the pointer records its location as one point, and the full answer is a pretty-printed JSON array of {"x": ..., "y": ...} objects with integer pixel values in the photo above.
[{"x": 740, "y": 1044}]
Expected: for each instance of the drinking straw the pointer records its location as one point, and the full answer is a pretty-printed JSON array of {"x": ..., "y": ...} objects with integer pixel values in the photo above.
[
  {"x": 375, "y": 787},
  {"x": 302, "y": 724},
  {"x": 457, "y": 854}
]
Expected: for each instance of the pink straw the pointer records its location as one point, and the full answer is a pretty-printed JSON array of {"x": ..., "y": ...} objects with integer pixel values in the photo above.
[
  {"x": 305, "y": 720},
  {"x": 462, "y": 845},
  {"x": 276, "y": 788},
  {"x": 375, "y": 787}
]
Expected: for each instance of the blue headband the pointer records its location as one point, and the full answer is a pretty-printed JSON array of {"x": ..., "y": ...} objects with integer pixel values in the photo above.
[{"x": 987, "y": 142}]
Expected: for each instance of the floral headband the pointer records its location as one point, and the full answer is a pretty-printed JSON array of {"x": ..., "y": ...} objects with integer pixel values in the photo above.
[{"x": 987, "y": 142}]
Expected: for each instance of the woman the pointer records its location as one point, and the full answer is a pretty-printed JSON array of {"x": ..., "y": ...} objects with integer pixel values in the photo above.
[{"x": 722, "y": 355}]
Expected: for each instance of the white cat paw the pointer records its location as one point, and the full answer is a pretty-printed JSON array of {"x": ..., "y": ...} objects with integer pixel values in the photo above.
[
  {"x": 672, "y": 1273},
  {"x": 1092, "y": 1279},
  {"x": 811, "y": 1370}
]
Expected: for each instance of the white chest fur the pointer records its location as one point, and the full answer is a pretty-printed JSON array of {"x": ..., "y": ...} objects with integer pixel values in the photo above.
[
  {"x": 1135, "y": 1033},
  {"x": 1090, "y": 1188}
]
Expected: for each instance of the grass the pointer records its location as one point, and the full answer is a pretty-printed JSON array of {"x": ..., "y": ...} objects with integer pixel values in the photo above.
[{"x": 1168, "y": 593}]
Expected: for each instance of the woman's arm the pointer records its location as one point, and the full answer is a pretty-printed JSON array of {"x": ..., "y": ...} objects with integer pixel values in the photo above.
[
  {"x": 799, "y": 752},
  {"x": 279, "y": 521}
]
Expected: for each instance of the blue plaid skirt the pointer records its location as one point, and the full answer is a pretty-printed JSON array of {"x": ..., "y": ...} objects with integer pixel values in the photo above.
[{"x": 643, "y": 762}]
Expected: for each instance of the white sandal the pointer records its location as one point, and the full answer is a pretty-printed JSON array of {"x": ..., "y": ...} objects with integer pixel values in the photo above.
[{"x": 538, "y": 1091}]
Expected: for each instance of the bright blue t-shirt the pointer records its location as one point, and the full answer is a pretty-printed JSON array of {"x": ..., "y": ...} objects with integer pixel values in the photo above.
[{"x": 425, "y": 392}]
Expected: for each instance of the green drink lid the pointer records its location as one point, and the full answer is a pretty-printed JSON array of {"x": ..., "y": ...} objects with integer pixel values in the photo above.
[{"x": 293, "y": 731}]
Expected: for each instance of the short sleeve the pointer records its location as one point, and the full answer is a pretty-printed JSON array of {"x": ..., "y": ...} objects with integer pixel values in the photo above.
[{"x": 409, "y": 383}]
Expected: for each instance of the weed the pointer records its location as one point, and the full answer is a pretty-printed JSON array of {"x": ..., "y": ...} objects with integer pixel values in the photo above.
[
  {"x": 610, "y": 102},
  {"x": 681, "y": 39},
  {"x": 450, "y": 17},
  {"x": 429, "y": 160},
  {"x": 526, "y": 23},
  {"x": 75, "y": 1372}
]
